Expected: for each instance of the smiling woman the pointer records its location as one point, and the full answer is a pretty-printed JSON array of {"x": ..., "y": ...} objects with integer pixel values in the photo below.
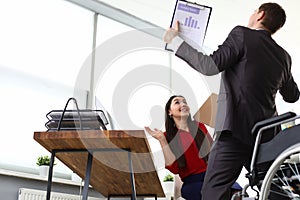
[{"x": 184, "y": 146}]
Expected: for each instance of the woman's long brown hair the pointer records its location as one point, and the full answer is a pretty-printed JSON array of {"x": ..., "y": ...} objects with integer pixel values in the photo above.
[{"x": 173, "y": 138}]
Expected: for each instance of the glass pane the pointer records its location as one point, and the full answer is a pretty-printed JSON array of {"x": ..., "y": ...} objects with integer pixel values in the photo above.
[
  {"x": 128, "y": 64},
  {"x": 43, "y": 47},
  {"x": 50, "y": 38}
]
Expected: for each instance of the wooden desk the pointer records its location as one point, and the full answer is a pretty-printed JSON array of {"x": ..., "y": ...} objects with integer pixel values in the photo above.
[{"x": 110, "y": 155}]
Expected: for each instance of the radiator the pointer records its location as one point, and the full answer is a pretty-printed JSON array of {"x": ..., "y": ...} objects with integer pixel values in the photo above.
[{"x": 31, "y": 194}]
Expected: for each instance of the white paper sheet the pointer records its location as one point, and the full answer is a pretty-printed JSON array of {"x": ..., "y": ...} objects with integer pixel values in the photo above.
[{"x": 193, "y": 19}]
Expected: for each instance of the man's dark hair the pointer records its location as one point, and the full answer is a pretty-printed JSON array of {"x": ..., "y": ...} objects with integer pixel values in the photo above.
[{"x": 274, "y": 16}]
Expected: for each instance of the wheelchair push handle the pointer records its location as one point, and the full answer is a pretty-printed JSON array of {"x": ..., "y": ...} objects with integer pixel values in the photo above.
[{"x": 270, "y": 121}]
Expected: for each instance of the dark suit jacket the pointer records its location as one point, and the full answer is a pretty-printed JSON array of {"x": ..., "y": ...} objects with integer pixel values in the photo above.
[{"x": 254, "y": 68}]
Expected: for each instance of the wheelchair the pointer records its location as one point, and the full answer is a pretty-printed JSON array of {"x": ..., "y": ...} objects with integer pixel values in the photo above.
[{"x": 275, "y": 165}]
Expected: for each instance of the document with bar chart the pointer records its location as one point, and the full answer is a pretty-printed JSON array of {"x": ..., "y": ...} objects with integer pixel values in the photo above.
[{"x": 193, "y": 19}]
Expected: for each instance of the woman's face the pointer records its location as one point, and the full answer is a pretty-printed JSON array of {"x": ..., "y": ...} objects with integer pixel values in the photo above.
[{"x": 179, "y": 108}]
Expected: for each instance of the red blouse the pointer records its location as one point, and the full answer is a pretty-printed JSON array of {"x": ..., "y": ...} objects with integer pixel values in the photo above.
[{"x": 194, "y": 164}]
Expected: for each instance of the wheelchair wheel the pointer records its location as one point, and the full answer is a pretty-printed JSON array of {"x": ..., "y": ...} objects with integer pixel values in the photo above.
[{"x": 282, "y": 180}]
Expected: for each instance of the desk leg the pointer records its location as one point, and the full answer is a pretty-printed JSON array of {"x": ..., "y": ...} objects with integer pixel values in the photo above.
[
  {"x": 87, "y": 176},
  {"x": 131, "y": 176},
  {"x": 49, "y": 184}
]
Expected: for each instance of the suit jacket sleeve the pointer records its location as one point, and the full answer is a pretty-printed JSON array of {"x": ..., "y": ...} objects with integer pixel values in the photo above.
[
  {"x": 290, "y": 91},
  {"x": 227, "y": 54},
  {"x": 197, "y": 60}
]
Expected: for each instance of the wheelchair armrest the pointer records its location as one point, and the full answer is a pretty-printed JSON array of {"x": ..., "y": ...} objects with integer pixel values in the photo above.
[{"x": 271, "y": 120}]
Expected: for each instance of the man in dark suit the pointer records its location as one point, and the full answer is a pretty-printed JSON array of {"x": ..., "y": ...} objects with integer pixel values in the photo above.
[{"x": 254, "y": 68}]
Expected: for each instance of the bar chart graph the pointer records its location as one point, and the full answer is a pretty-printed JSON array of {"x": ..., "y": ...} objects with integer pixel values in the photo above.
[
  {"x": 193, "y": 19},
  {"x": 191, "y": 23}
]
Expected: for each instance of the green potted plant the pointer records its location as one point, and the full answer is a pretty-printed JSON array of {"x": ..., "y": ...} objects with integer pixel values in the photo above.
[
  {"x": 168, "y": 184},
  {"x": 168, "y": 177},
  {"x": 43, "y": 162}
]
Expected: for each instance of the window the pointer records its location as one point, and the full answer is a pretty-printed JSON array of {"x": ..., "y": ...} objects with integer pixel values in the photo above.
[{"x": 43, "y": 45}]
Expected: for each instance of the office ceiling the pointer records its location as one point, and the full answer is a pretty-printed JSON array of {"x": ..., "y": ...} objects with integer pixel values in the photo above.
[{"x": 225, "y": 15}]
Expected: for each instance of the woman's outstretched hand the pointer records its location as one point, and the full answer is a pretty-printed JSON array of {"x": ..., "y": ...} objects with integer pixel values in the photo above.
[
  {"x": 160, "y": 136},
  {"x": 156, "y": 133}
]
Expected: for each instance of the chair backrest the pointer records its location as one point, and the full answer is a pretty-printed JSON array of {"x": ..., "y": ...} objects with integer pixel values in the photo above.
[
  {"x": 270, "y": 121},
  {"x": 269, "y": 151},
  {"x": 283, "y": 140}
]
